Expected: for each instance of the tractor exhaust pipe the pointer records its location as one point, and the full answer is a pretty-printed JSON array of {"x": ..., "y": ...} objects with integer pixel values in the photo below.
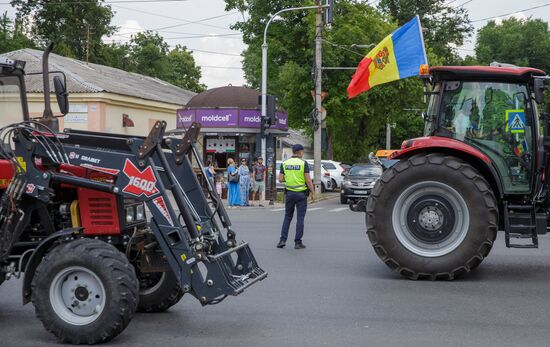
[{"x": 48, "y": 118}]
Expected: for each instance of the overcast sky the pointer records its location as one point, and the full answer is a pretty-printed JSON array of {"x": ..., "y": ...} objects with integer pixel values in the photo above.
[{"x": 214, "y": 35}]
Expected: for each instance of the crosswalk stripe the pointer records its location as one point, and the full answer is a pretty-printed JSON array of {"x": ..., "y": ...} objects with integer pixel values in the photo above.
[
  {"x": 339, "y": 209},
  {"x": 314, "y": 208},
  {"x": 278, "y": 209}
]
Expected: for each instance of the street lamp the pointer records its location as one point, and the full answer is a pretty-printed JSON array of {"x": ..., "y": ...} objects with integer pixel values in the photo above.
[{"x": 264, "y": 67}]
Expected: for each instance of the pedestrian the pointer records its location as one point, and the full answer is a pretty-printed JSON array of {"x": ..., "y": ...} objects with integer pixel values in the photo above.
[
  {"x": 219, "y": 185},
  {"x": 295, "y": 174},
  {"x": 209, "y": 172},
  {"x": 244, "y": 181},
  {"x": 259, "y": 173},
  {"x": 233, "y": 188}
]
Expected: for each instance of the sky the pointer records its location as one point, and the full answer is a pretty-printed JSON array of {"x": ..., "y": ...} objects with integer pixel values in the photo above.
[{"x": 204, "y": 27}]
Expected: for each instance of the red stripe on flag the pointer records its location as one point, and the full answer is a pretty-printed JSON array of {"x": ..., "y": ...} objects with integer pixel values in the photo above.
[{"x": 360, "y": 81}]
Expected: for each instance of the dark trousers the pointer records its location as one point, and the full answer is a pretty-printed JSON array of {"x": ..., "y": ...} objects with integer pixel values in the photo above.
[{"x": 293, "y": 200}]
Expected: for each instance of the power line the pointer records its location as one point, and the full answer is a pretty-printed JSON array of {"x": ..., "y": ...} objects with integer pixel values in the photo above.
[
  {"x": 464, "y": 3},
  {"x": 343, "y": 47},
  {"x": 77, "y": 2},
  {"x": 186, "y": 22},
  {"x": 221, "y": 67},
  {"x": 202, "y": 36},
  {"x": 511, "y": 13},
  {"x": 212, "y": 52}
]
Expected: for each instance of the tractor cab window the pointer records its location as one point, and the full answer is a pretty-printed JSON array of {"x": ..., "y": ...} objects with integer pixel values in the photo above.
[
  {"x": 11, "y": 105},
  {"x": 496, "y": 118}
]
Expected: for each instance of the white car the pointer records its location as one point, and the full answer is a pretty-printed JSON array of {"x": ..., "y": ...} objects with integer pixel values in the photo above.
[
  {"x": 326, "y": 181},
  {"x": 335, "y": 170}
]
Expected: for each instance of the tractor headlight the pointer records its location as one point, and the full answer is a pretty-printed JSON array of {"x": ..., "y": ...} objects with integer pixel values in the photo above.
[
  {"x": 140, "y": 212},
  {"x": 130, "y": 214}
]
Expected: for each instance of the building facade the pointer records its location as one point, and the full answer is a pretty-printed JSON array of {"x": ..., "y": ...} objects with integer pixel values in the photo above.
[{"x": 101, "y": 98}]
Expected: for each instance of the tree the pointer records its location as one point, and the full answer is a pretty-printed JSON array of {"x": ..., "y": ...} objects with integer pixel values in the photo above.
[
  {"x": 12, "y": 36},
  {"x": 445, "y": 26},
  {"x": 514, "y": 41},
  {"x": 354, "y": 126},
  {"x": 183, "y": 71},
  {"x": 77, "y": 27}
]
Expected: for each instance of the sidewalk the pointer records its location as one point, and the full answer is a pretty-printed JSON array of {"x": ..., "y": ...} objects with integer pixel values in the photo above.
[{"x": 322, "y": 197}]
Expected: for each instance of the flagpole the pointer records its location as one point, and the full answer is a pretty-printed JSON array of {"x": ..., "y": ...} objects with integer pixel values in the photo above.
[{"x": 422, "y": 38}]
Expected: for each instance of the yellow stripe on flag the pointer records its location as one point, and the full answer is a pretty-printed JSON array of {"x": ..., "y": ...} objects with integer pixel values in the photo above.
[{"x": 383, "y": 68}]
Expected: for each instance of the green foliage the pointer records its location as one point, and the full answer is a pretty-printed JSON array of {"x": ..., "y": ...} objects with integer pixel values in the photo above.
[
  {"x": 77, "y": 28},
  {"x": 357, "y": 126},
  {"x": 148, "y": 54},
  {"x": 12, "y": 36},
  {"x": 445, "y": 26},
  {"x": 519, "y": 42}
]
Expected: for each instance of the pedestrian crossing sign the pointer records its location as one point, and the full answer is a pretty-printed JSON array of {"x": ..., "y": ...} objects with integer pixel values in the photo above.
[{"x": 515, "y": 121}]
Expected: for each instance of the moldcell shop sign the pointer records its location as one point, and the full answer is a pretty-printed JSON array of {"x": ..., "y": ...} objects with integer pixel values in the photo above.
[{"x": 227, "y": 118}]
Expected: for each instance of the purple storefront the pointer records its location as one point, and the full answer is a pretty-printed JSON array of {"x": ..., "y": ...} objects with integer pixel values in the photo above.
[{"x": 230, "y": 127}]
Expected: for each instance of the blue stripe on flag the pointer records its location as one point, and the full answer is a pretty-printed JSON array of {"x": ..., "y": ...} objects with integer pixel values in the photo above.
[{"x": 408, "y": 48}]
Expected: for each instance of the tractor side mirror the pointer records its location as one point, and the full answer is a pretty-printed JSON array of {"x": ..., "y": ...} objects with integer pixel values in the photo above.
[
  {"x": 61, "y": 95},
  {"x": 538, "y": 89}
]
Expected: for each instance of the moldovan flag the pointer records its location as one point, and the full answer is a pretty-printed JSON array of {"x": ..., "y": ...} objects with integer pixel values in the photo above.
[{"x": 399, "y": 55}]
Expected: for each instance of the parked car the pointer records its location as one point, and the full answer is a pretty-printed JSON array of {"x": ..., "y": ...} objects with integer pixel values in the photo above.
[
  {"x": 359, "y": 181},
  {"x": 326, "y": 181},
  {"x": 345, "y": 167},
  {"x": 335, "y": 170}
]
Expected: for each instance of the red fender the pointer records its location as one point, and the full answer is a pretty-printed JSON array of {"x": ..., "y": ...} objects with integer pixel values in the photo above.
[{"x": 421, "y": 144}]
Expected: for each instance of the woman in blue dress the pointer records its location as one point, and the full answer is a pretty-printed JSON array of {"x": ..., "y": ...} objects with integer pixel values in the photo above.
[
  {"x": 244, "y": 180},
  {"x": 233, "y": 188}
]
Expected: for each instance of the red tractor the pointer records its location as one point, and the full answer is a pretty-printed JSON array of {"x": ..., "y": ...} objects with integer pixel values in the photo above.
[
  {"x": 101, "y": 225},
  {"x": 482, "y": 166}
]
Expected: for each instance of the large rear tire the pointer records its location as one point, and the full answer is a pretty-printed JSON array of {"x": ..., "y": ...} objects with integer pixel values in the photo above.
[
  {"x": 432, "y": 217},
  {"x": 85, "y": 291},
  {"x": 158, "y": 291}
]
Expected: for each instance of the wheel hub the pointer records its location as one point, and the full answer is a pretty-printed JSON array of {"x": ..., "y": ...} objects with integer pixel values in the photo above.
[
  {"x": 77, "y": 295},
  {"x": 81, "y": 293},
  {"x": 430, "y": 218}
]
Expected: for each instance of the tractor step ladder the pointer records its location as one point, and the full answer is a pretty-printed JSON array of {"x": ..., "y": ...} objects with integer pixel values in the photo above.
[{"x": 520, "y": 222}]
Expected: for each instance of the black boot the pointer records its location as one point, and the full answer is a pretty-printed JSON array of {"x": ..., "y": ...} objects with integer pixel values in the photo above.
[
  {"x": 299, "y": 245},
  {"x": 281, "y": 244}
]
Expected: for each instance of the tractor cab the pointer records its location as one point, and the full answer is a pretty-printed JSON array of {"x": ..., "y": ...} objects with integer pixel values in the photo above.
[
  {"x": 490, "y": 109},
  {"x": 12, "y": 90}
]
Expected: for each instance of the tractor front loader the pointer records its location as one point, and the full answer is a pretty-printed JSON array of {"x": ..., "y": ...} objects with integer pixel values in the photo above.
[{"x": 103, "y": 225}]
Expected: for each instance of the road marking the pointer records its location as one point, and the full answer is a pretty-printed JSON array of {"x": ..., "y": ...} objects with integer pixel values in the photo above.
[
  {"x": 278, "y": 209},
  {"x": 314, "y": 208},
  {"x": 339, "y": 209}
]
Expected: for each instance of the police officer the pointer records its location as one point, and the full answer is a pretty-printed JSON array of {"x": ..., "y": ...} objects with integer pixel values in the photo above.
[{"x": 295, "y": 174}]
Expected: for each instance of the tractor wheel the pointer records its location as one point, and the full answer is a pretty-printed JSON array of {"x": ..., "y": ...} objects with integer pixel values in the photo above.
[
  {"x": 158, "y": 291},
  {"x": 85, "y": 291},
  {"x": 432, "y": 217}
]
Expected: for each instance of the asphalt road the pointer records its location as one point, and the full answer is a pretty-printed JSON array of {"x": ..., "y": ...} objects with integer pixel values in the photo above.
[{"x": 337, "y": 293}]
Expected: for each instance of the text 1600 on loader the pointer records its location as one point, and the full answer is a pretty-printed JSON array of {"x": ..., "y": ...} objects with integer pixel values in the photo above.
[
  {"x": 482, "y": 166},
  {"x": 102, "y": 225}
]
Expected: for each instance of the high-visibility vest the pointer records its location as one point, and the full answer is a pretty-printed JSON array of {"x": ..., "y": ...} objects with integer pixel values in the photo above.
[{"x": 295, "y": 180}]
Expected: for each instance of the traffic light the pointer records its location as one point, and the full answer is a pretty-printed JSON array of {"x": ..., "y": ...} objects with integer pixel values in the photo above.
[
  {"x": 328, "y": 11},
  {"x": 271, "y": 109}
]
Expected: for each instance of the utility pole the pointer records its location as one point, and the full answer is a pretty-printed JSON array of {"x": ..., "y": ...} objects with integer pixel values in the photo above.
[
  {"x": 319, "y": 8},
  {"x": 318, "y": 106},
  {"x": 388, "y": 136},
  {"x": 87, "y": 42}
]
